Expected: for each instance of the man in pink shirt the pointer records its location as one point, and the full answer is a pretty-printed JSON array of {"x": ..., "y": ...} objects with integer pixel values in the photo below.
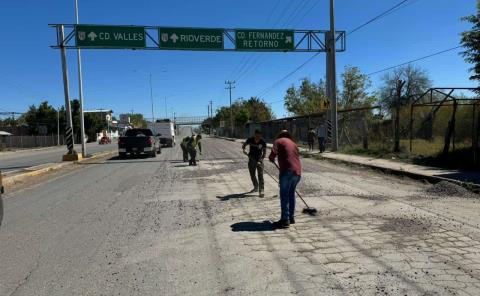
[{"x": 288, "y": 155}]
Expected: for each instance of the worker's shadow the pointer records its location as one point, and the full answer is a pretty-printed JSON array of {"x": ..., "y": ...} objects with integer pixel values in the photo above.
[
  {"x": 252, "y": 226},
  {"x": 235, "y": 195}
]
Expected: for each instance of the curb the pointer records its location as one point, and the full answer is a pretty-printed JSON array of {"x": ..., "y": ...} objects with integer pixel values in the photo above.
[
  {"x": 431, "y": 179},
  {"x": 45, "y": 168}
]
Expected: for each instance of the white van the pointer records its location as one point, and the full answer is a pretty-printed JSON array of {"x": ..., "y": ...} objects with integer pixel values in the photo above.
[{"x": 166, "y": 129}]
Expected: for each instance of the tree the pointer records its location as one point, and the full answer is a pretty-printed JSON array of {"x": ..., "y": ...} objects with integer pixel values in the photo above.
[
  {"x": 354, "y": 91},
  {"x": 416, "y": 82},
  {"x": 43, "y": 115},
  {"x": 251, "y": 110},
  {"x": 400, "y": 88},
  {"x": 257, "y": 110},
  {"x": 93, "y": 125},
  {"x": 137, "y": 120},
  {"x": 307, "y": 99},
  {"x": 471, "y": 41}
]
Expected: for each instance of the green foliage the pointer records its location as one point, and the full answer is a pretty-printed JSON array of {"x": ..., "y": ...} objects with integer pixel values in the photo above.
[
  {"x": 44, "y": 115},
  {"x": 93, "y": 125},
  {"x": 354, "y": 91},
  {"x": 138, "y": 121},
  {"x": 307, "y": 98},
  {"x": 251, "y": 110},
  {"x": 471, "y": 41}
]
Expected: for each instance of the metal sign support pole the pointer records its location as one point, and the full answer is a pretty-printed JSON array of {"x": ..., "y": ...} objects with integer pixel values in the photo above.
[
  {"x": 80, "y": 91},
  {"x": 69, "y": 130},
  {"x": 333, "y": 78}
]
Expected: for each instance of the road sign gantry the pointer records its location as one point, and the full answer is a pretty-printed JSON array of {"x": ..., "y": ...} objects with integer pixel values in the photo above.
[{"x": 201, "y": 39}]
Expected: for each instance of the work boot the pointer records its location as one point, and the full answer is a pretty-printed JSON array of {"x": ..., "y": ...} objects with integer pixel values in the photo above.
[
  {"x": 260, "y": 193},
  {"x": 280, "y": 224},
  {"x": 292, "y": 220}
]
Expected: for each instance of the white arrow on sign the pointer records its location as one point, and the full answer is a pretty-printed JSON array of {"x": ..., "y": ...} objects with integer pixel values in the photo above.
[
  {"x": 92, "y": 36},
  {"x": 174, "y": 38},
  {"x": 288, "y": 39}
]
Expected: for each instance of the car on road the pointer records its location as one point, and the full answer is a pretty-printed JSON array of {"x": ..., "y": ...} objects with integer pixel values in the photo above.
[
  {"x": 138, "y": 141},
  {"x": 104, "y": 140}
]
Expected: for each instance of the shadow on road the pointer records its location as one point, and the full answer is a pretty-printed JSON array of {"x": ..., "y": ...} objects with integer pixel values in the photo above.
[
  {"x": 252, "y": 226},
  {"x": 181, "y": 165},
  {"x": 117, "y": 160},
  {"x": 234, "y": 195}
]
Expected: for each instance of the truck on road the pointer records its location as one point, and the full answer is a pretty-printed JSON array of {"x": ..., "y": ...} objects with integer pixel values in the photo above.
[
  {"x": 165, "y": 130},
  {"x": 137, "y": 141}
]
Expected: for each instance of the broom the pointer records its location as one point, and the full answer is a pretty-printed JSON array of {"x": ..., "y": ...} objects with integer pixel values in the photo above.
[{"x": 308, "y": 210}]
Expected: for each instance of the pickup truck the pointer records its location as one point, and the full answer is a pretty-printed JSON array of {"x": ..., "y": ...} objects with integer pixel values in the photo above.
[{"x": 137, "y": 141}]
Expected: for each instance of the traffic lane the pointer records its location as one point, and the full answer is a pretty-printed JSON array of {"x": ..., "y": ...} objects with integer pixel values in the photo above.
[
  {"x": 24, "y": 159},
  {"x": 97, "y": 230}
]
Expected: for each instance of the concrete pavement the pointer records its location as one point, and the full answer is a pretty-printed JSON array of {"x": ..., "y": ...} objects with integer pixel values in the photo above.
[
  {"x": 160, "y": 227},
  {"x": 19, "y": 160}
]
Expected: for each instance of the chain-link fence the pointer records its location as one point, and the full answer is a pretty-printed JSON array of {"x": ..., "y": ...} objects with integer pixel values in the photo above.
[
  {"x": 440, "y": 127},
  {"x": 12, "y": 142},
  {"x": 447, "y": 126},
  {"x": 298, "y": 126}
]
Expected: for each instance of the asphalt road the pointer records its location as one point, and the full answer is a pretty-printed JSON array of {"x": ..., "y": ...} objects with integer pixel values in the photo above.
[
  {"x": 13, "y": 161},
  {"x": 159, "y": 227}
]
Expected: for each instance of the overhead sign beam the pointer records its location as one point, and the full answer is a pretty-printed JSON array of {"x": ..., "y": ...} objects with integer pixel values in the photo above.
[{"x": 201, "y": 39}]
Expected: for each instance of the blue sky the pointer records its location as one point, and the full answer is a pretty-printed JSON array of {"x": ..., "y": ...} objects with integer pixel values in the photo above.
[{"x": 30, "y": 70}]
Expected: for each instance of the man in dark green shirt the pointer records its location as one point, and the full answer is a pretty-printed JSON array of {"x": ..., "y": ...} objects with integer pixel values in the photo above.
[
  {"x": 256, "y": 155},
  {"x": 192, "y": 149}
]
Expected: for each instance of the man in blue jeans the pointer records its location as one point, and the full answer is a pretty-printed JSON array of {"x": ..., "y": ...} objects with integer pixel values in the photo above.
[{"x": 288, "y": 155}]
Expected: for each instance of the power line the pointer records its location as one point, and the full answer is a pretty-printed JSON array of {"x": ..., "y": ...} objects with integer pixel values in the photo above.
[
  {"x": 273, "y": 11},
  {"x": 267, "y": 90},
  {"x": 415, "y": 60},
  {"x": 388, "y": 11},
  {"x": 305, "y": 14},
  {"x": 378, "y": 17},
  {"x": 258, "y": 61},
  {"x": 295, "y": 12}
]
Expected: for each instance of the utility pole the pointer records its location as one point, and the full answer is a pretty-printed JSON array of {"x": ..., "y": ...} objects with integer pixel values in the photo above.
[
  {"x": 151, "y": 97},
  {"x": 332, "y": 73},
  {"x": 230, "y": 87},
  {"x": 71, "y": 154},
  {"x": 80, "y": 90},
  {"x": 166, "y": 112}
]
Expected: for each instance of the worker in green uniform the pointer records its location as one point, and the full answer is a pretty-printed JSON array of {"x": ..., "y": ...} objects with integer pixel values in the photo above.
[
  {"x": 192, "y": 148},
  {"x": 183, "y": 145},
  {"x": 258, "y": 151}
]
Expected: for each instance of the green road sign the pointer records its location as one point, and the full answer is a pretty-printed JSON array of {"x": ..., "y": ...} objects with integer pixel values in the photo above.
[
  {"x": 189, "y": 38},
  {"x": 110, "y": 36},
  {"x": 247, "y": 39}
]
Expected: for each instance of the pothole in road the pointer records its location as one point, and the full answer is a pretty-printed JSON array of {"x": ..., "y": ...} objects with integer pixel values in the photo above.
[
  {"x": 179, "y": 214},
  {"x": 403, "y": 225}
]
